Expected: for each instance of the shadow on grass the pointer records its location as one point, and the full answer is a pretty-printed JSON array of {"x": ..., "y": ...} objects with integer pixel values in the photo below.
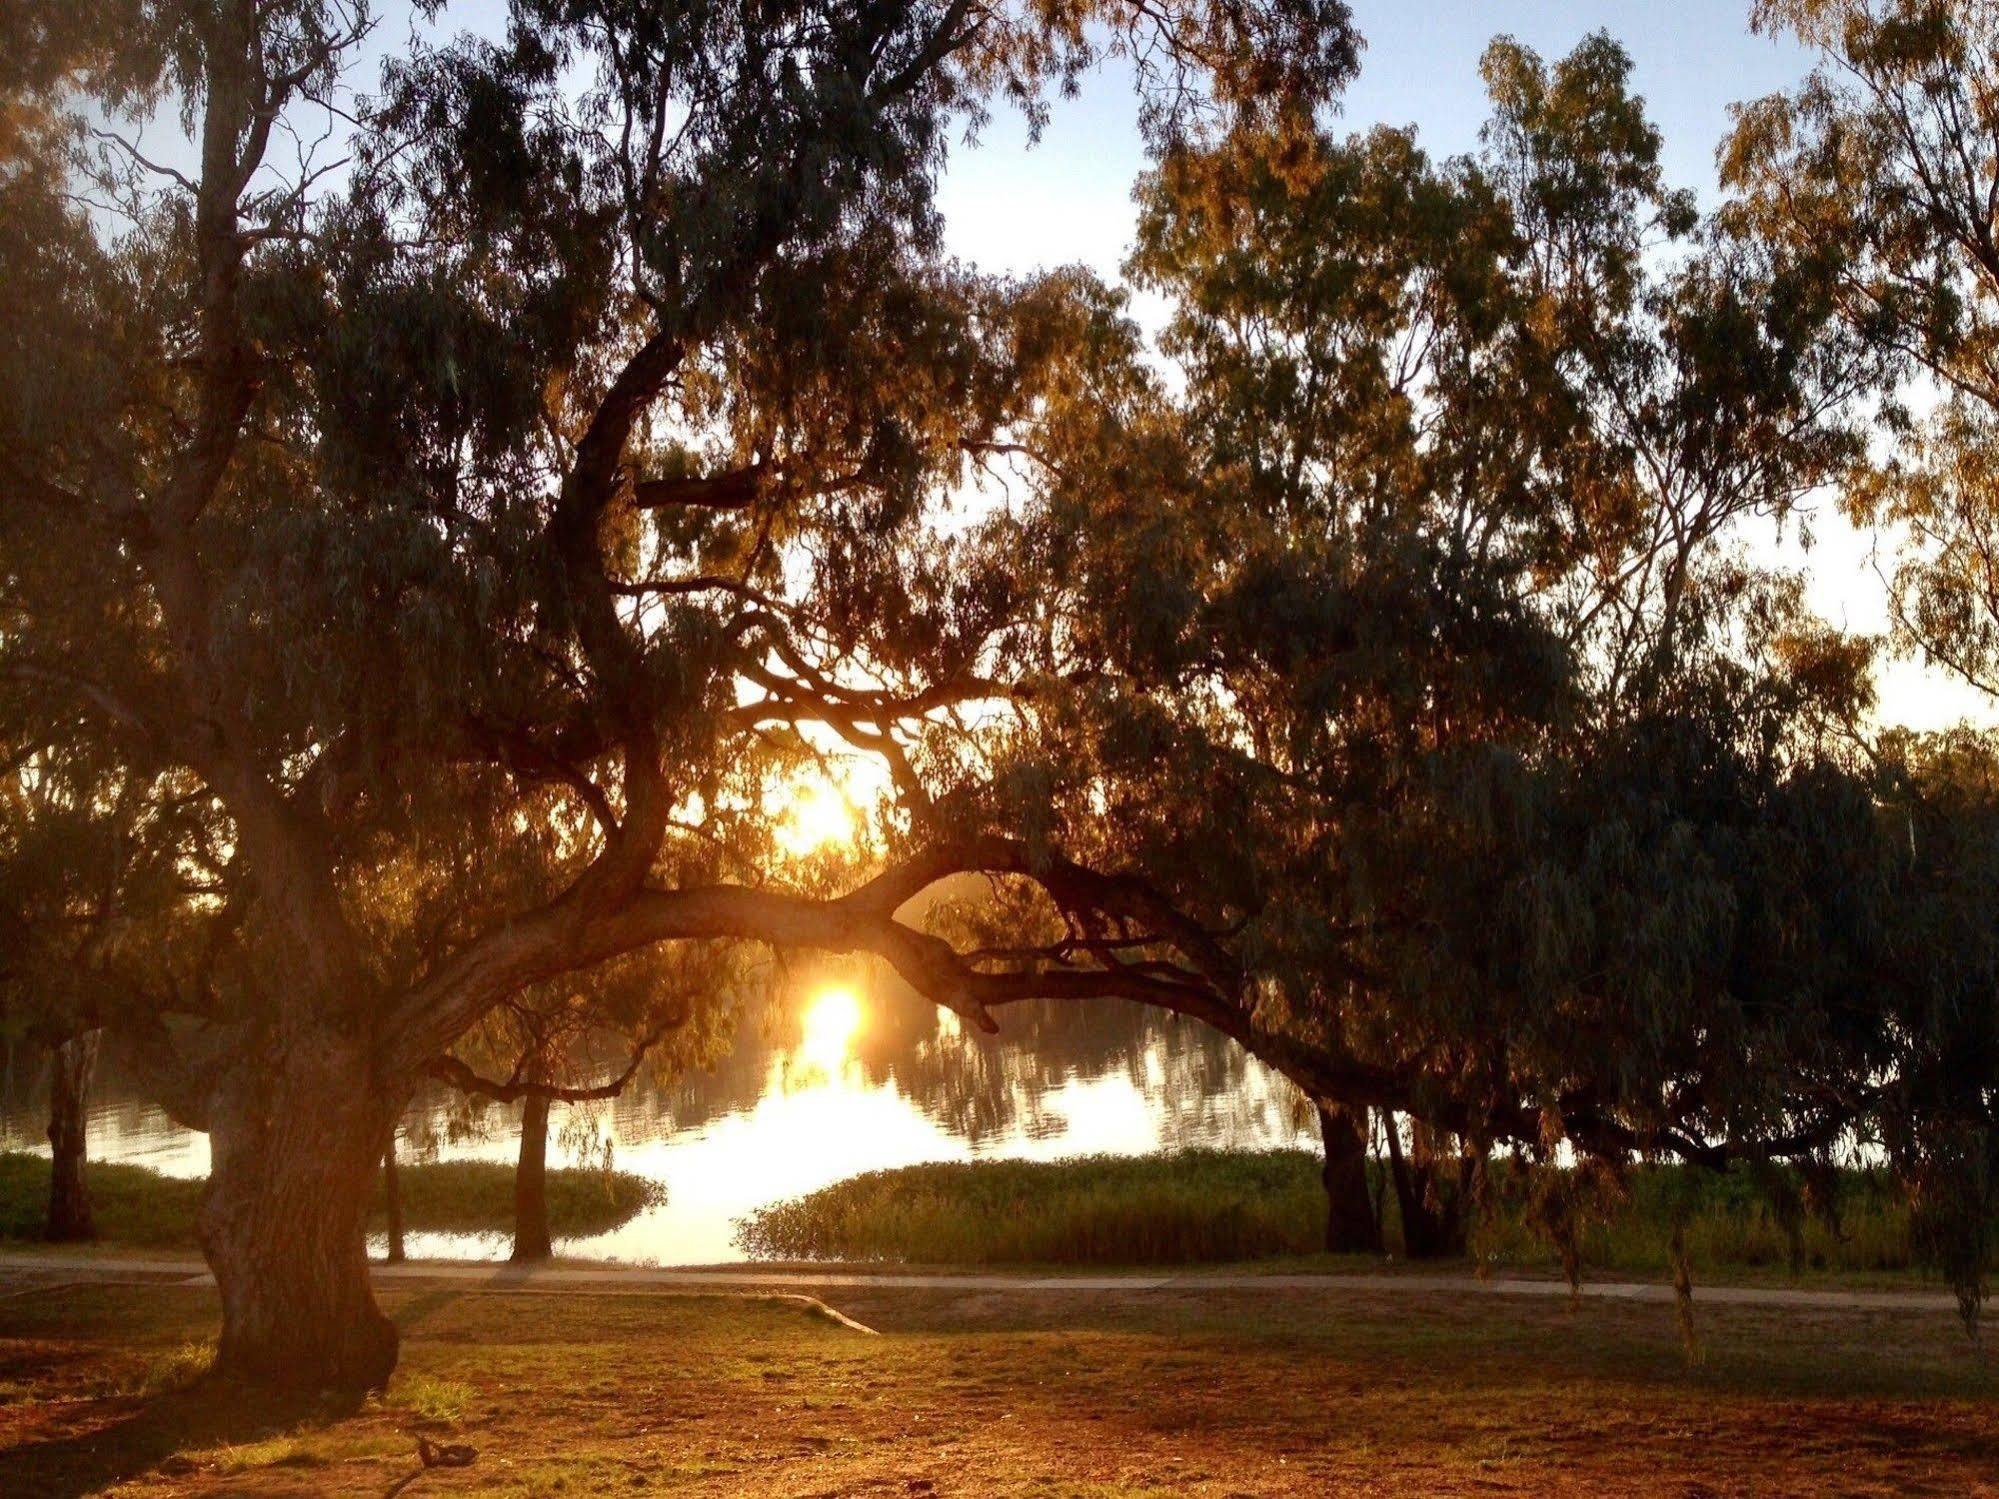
[
  {"x": 112, "y": 1437},
  {"x": 150, "y": 1431},
  {"x": 415, "y": 1310}
]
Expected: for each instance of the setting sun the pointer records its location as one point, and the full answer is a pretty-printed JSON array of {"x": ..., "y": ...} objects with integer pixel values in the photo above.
[
  {"x": 819, "y": 815},
  {"x": 828, "y": 1029}
]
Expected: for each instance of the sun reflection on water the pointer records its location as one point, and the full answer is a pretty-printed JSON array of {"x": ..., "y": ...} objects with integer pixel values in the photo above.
[
  {"x": 834, "y": 1096},
  {"x": 827, "y": 1031}
]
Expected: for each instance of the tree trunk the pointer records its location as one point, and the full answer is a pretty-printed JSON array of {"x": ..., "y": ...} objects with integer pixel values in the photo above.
[
  {"x": 392, "y": 1193},
  {"x": 1432, "y": 1212},
  {"x": 70, "y": 1067},
  {"x": 283, "y": 1221},
  {"x": 531, "y": 1242},
  {"x": 1351, "y": 1227}
]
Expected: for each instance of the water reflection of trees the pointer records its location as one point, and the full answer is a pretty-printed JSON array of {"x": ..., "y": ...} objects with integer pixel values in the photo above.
[
  {"x": 122, "y": 1120},
  {"x": 978, "y": 1088}
]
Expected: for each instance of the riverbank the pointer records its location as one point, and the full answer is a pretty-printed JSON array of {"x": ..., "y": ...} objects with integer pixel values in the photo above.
[
  {"x": 1207, "y": 1206},
  {"x": 140, "y": 1208},
  {"x": 1262, "y": 1212},
  {"x": 1275, "y": 1392}
]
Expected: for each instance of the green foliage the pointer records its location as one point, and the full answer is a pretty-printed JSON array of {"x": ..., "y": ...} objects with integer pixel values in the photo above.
[
  {"x": 130, "y": 1204},
  {"x": 1422, "y": 662},
  {"x": 136, "y": 1205},
  {"x": 478, "y": 1197},
  {"x": 1869, "y": 181},
  {"x": 1208, "y": 1206},
  {"x": 403, "y": 544},
  {"x": 1200, "y": 1205},
  {"x": 419, "y": 584}
]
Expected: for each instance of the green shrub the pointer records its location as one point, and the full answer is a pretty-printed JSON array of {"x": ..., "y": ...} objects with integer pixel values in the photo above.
[
  {"x": 136, "y": 1205},
  {"x": 1238, "y": 1205},
  {"x": 470, "y": 1197},
  {"x": 130, "y": 1204},
  {"x": 1195, "y": 1206}
]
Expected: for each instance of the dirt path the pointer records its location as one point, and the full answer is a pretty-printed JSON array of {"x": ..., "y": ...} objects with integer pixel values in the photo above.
[{"x": 20, "y": 1272}]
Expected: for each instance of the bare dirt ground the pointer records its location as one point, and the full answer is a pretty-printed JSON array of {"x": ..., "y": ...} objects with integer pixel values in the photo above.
[{"x": 1331, "y": 1389}]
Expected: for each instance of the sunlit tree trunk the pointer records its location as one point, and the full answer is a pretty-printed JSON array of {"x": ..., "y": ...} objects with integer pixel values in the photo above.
[
  {"x": 1351, "y": 1225},
  {"x": 392, "y": 1194},
  {"x": 531, "y": 1241},
  {"x": 283, "y": 1221},
  {"x": 70, "y": 1067}
]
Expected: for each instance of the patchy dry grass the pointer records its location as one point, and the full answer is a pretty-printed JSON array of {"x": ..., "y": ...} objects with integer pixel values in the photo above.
[
  {"x": 429, "y": 1399},
  {"x": 1021, "y": 1394}
]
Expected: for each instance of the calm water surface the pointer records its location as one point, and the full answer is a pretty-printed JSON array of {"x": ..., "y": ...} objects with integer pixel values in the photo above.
[{"x": 803, "y": 1100}]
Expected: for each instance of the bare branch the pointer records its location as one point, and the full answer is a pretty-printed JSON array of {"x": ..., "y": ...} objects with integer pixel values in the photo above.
[{"x": 450, "y": 1069}]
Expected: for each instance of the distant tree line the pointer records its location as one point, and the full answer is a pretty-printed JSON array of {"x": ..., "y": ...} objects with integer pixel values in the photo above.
[{"x": 445, "y": 511}]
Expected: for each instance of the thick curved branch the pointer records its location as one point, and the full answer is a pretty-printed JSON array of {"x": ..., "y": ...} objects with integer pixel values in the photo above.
[
  {"x": 733, "y": 489},
  {"x": 1210, "y": 988},
  {"x": 614, "y": 654}
]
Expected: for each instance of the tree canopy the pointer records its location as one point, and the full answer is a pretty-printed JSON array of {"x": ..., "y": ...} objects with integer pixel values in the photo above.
[{"x": 447, "y": 512}]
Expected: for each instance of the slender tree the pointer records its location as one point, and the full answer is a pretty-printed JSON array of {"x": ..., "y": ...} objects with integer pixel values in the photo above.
[
  {"x": 650, "y": 1014},
  {"x": 1352, "y": 1226},
  {"x": 69, "y": 871},
  {"x": 72, "y": 1062}
]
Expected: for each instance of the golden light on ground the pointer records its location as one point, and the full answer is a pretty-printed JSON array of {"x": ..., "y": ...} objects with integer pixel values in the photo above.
[{"x": 827, "y": 1030}]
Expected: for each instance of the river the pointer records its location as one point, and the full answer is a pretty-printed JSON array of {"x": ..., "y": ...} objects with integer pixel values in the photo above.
[{"x": 855, "y": 1079}]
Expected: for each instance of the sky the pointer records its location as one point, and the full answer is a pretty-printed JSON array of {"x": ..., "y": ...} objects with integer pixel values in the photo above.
[
  {"x": 1011, "y": 208},
  {"x": 1068, "y": 199}
]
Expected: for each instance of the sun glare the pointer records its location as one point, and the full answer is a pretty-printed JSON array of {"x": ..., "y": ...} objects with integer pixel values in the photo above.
[
  {"x": 828, "y": 1029},
  {"x": 817, "y": 816}
]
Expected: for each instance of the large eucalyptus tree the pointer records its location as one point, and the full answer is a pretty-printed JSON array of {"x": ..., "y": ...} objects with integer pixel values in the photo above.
[
  {"x": 1452, "y": 749},
  {"x": 462, "y": 514},
  {"x": 1878, "y": 177}
]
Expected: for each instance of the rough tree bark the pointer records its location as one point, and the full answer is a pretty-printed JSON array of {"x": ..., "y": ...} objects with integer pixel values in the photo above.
[
  {"x": 283, "y": 1221},
  {"x": 71, "y": 1064},
  {"x": 1351, "y": 1225},
  {"x": 392, "y": 1194},
  {"x": 531, "y": 1241}
]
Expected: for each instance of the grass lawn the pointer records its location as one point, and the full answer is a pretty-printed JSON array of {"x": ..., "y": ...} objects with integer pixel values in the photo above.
[{"x": 1242, "y": 1393}]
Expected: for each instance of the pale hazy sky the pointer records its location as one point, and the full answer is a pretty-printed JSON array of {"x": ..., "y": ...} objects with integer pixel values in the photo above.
[{"x": 1069, "y": 199}]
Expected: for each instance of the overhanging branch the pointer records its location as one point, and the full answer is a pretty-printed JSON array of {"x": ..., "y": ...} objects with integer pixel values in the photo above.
[{"x": 449, "y": 1069}]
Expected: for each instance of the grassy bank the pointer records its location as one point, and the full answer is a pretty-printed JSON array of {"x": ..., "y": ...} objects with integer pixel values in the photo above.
[
  {"x": 135, "y": 1205},
  {"x": 1202, "y": 1206},
  {"x": 1278, "y": 1394}
]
